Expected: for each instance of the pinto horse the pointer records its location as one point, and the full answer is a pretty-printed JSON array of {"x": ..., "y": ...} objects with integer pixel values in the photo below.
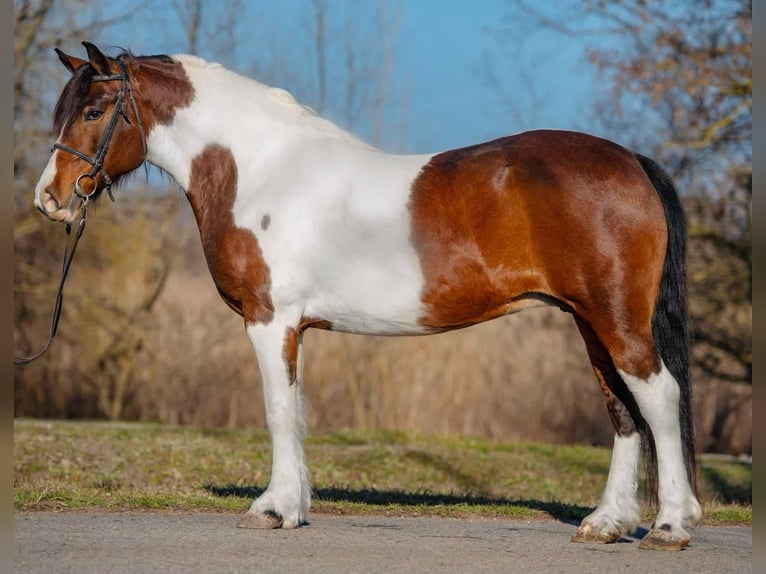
[{"x": 303, "y": 225}]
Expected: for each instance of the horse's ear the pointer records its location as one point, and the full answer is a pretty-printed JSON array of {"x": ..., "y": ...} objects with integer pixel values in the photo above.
[
  {"x": 99, "y": 62},
  {"x": 70, "y": 62}
]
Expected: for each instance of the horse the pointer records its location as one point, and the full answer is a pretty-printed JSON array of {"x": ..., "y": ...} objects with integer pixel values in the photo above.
[{"x": 304, "y": 226}]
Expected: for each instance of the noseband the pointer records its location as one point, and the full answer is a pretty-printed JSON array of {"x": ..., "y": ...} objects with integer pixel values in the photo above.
[{"x": 97, "y": 160}]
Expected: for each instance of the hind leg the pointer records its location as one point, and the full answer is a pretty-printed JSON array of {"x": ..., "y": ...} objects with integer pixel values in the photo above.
[
  {"x": 654, "y": 395},
  {"x": 657, "y": 396},
  {"x": 618, "y": 511}
]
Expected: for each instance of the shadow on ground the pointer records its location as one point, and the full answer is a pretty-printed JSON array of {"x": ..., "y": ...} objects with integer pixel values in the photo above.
[{"x": 570, "y": 513}]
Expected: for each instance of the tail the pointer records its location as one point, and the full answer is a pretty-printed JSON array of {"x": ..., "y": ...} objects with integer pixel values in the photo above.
[{"x": 670, "y": 321}]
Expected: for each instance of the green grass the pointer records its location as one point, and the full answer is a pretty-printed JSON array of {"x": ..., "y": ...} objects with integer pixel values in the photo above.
[{"x": 126, "y": 466}]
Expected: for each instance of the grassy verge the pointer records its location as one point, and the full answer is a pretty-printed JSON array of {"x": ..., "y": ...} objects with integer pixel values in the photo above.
[{"x": 126, "y": 466}]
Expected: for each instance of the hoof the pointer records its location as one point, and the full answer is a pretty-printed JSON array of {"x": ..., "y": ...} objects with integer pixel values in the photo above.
[
  {"x": 589, "y": 535},
  {"x": 264, "y": 520},
  {"x": 658, "y": 539}
]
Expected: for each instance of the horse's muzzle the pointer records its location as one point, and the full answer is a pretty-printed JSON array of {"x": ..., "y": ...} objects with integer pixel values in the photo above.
[{"x": 49, "y": 205}]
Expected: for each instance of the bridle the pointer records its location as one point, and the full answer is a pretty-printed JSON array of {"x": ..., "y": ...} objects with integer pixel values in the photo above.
[{"x": 97, "y": 161}]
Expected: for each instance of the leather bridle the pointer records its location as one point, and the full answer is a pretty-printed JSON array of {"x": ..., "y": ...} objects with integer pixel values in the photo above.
[{"x": 97, "y": 160}]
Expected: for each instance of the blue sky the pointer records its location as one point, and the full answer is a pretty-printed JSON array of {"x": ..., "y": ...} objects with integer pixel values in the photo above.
[
  {"x": 446, "y": 48},
  {"x": 440, "y": 91}
]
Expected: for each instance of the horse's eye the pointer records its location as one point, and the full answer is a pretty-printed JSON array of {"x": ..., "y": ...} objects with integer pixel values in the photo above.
[{"x": 93, "y": 114}]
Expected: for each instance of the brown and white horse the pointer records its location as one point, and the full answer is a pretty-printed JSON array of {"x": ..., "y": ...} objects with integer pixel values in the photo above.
[{"x": 305, "y": 226}]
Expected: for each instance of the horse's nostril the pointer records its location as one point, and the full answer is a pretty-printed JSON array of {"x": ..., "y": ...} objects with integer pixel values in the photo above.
[{"x": 50, "y": 201}]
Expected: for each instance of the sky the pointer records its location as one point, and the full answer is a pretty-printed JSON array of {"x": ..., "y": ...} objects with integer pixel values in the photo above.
[
  {"x": 447, "y": 49},
  {"x": 440, "y": 92}
]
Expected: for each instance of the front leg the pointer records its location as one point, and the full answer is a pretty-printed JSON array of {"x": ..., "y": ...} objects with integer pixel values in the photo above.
[{"x": 286, "y": 501}]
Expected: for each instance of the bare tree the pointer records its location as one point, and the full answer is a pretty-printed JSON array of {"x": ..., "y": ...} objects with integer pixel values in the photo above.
[{"x": 685, "y": 65}]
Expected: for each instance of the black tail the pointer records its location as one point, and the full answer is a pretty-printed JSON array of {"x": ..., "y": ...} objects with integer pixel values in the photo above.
[{"x": 670, "y": 322}]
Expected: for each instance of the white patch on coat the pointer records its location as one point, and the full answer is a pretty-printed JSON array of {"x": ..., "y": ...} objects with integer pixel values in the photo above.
[
  {"x": 339, "y": 238},
  {"x": 46, "y": 179}
]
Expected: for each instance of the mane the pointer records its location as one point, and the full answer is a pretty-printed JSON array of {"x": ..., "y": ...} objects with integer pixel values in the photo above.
[
  {"x": 279, "y": 100},
  {"x": 69, "y": 102},
  {"x": 194, "y": 61}
]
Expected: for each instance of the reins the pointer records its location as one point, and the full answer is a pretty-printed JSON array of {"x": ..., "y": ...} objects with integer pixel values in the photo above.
[
  {"x": 97, "y": 161},
  {"x": 67, "y": 264}
]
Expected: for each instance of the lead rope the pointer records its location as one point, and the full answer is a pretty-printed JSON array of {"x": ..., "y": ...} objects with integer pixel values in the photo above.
[{"x": 68, "y": 258}]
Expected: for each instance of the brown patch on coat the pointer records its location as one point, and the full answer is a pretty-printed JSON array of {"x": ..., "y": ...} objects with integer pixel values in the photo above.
[
  {"x": 290, "y": 353},
  {"x": 292, "y": 343},
  {"x": 233, "y": 255},
  {"x": 558, "y": 214},
  {"x": 161, "y": 88},
  {"x": 313, "y": 322}
]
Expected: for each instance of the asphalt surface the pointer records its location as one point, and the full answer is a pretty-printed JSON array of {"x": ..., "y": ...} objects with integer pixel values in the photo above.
[{"x": 185, "y": 543}]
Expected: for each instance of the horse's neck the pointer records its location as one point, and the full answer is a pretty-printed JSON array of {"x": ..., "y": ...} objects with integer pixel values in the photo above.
[{"x": 230, "y": 111}]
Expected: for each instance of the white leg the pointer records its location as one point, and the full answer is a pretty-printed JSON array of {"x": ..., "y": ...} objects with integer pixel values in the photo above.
[
  {"x": 657, "y": 398},
  {"x": 286, "y": 501},
  {"x": 618, "y": 512}
]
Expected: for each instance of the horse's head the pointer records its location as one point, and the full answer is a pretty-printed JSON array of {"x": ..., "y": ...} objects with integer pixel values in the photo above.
[{"x": 100, "y": 135}]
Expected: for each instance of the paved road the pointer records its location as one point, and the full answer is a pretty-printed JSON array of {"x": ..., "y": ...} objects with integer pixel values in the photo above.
[{"x": 185, "y": 543}]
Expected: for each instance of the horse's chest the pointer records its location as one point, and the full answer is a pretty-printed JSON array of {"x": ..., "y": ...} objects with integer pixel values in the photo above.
[{"x": 233, "y": 255}]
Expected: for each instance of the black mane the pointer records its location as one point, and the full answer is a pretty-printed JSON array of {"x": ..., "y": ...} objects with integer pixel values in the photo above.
[{"x": 69, "y": 103}]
